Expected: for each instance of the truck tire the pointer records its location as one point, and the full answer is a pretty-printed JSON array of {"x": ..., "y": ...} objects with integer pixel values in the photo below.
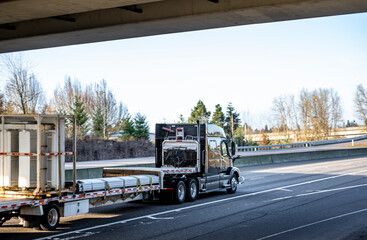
[
  {"x": 180, "y": 192},
  {"x": 233, "y": 182},
  {"x": 192, "y": 190},
  {"x": 51, "y": 217}
]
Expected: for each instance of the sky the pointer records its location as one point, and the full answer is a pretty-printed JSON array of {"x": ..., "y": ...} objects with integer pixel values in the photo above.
[{"x": 165, "y": 76}]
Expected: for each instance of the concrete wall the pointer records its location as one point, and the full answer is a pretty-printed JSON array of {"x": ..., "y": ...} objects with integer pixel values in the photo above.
[{"x": 298, "y": 156}]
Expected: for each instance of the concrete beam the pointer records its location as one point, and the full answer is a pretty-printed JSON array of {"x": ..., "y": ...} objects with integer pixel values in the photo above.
[{"x": 162, "y": 17}]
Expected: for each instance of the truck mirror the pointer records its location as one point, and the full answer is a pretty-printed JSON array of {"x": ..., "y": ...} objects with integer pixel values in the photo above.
[{"x": 233, "y": 148}]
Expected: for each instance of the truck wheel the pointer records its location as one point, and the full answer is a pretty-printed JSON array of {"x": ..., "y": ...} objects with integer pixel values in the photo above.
[
  {"x": 51, "y": 217},
  {"x": 233, "y": 184},
  {"x": 192, "y": 190},
  {"x": 180, "y": 192}
]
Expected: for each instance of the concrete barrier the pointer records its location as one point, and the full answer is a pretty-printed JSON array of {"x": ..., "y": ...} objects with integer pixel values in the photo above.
[{"x": 298, "y": 156}]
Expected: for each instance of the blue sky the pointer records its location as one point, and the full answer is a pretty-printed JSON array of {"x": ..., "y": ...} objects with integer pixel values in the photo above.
[{"x": 164, "y": 76}]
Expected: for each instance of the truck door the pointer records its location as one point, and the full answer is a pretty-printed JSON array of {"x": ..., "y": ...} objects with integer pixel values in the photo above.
[
  {"x": 225, "y": 161},
  {"x": 214, "y": 156}
]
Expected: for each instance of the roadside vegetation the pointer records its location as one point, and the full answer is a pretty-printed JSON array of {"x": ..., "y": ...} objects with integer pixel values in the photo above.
[{"x": 307, "y": 116}]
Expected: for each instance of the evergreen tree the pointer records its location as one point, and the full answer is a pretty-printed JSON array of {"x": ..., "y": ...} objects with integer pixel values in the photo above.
[
  {"x": 141, "y": 128},
  {"x": 128, "y": 128},
  {"x": 98, "y": 122},
  {"x": 239, "y": 138},
  {"x": 218, "y": 116},
  {"x": 81, "y": 116},
  {"x": 199, "y": 113},
  {"x": 232, "y": 121}
]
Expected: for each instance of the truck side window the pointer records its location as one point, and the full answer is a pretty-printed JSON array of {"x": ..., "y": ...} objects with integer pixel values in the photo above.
[
  {"x": 224, "y": 148},
  {"x": 213, "y": 145}
]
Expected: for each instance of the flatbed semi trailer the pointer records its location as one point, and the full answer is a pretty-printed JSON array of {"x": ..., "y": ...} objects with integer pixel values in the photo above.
[{"x": 191, "y": 159}]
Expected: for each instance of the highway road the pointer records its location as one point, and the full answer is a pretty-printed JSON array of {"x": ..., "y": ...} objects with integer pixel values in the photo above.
[
  {"x": 151, "y": 160},
  {"x": 303, "y": 200}
]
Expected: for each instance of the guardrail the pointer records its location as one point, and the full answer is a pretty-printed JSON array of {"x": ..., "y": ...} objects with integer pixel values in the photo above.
[
  {"x": 298, "y": 145},
  {"x": 273, "y": 147}
]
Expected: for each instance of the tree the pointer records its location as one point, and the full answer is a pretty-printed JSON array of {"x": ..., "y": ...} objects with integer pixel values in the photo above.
[
  {"x": 351, "y": 124},
  {"x": 182, "y": 119},
  {"x": 336, "y": 111},
  {"x": 239, "y": 138},
  {"x": 218, "y": 116},
  {"x": 98, "y": 122},
  {"x": 280, "y": 110},
  {"x": 199, "y": 113},
  {"x": 81, "y": 116},
  {"x": 319, "y": 110},
  {"x": 103, "y": 98},
  {"x": 127, "y": 128},
  {"x": 304, "y": 108},
  {"x": 232, "y": 121},
  {"x": 2, "y": 103},
  {"x": 264, "y": 139},
  {"x": 141, "y": 128},
  {"x": 64, "y": 96},
  {"x": 360, "y": 101},
  {"x": 23, "y": 92}
]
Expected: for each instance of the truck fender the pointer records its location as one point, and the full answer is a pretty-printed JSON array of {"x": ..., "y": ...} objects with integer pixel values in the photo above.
[{"x": 236, "y": 171}]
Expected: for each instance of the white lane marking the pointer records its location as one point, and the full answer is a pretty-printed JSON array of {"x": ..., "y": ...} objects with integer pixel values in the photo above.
[
  {"x": 286, "y": 190},
  {"x": 87, "y": 234},
  {"x": 310, "y": 224},
  {"x": 163, "y": 218},
  {"x": 318, "y": 192},
  {"x": 197, "y": 205},
  {"x": 251, "y": 179}
]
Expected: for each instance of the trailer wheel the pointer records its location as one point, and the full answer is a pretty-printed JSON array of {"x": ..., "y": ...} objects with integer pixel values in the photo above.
[
  {"x": 233, "y": 182},
  {"x": 192, "y": 190},
  {"x": 51, "y": 217},
  {"x": 180, "y": 192}
]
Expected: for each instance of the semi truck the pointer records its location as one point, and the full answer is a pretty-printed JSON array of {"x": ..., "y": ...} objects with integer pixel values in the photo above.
[{"x": 190, "y": 159}]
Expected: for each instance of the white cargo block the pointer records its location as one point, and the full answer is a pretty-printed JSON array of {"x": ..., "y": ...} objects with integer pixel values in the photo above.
[
  {"x": 9, "y": 164},
  {"x": 27, "y": 164},
  {"x": 52, "y": 160},
  {"x": 116, "y": 182}
]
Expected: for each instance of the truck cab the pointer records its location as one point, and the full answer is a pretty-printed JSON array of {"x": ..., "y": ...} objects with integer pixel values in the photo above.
[{"x": 196, "y": 158}]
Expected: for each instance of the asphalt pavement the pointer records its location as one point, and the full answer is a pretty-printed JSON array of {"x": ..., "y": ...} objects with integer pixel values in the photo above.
[{"x": 304, "y": 200}]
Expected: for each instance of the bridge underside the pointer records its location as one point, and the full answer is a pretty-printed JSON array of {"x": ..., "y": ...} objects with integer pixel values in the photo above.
[{"x": 34, "y": 24}]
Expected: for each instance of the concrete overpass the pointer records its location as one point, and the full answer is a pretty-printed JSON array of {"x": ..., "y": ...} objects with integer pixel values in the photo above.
[{"x": 33, "y": 24}]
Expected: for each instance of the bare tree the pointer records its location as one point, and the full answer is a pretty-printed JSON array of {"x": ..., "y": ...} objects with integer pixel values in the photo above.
[
  {"x": 24, "y": 93},
  {"x": 285, "y": 113},
  {"x": 64, "y": 97},
  {"x": 2, "y": 103},
  {"x": 103, "y": 99},
  {"x": 336, "y": 111},
  {"x": 360, "y": 101},
  {"x": 320, "y": 113}
]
